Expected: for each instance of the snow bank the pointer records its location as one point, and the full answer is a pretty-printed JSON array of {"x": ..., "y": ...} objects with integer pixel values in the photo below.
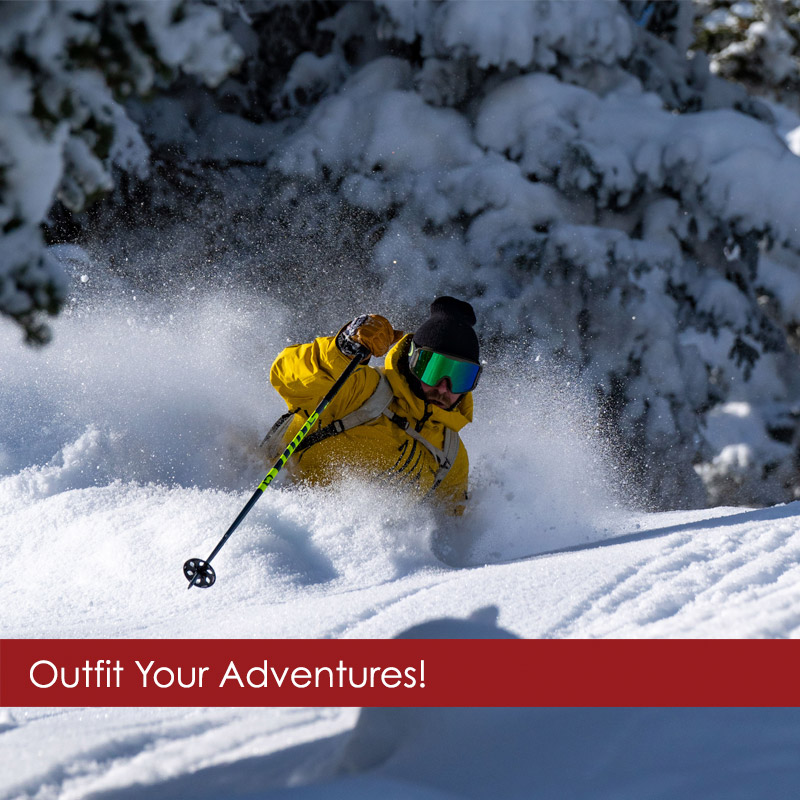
[{"x": 89, "y": 552}]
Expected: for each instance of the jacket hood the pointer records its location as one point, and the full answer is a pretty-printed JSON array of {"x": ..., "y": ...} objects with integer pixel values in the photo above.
[{"x": 455, "y": 418}]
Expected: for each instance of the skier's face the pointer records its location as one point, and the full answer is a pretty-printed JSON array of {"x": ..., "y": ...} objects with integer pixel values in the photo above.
[{"x": 440, "y": 395}]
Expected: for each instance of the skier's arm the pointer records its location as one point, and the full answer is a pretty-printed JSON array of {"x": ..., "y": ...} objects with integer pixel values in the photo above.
[{"x": 303, "y": 373}]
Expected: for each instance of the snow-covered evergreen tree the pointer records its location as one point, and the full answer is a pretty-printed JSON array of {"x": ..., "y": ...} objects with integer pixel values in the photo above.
[
  {"x": 575, "y": 169},
  {"x": 599, "y": 195},
  {"x": 66, "y": 68},
  {"x": 756, "y": 43}
]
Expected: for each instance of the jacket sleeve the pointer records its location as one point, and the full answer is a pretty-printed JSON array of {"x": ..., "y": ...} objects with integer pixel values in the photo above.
[{"x": 303, "y": 373}]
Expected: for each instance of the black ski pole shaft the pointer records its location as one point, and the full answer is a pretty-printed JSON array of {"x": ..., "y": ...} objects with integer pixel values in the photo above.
[{"x": 199, "y": 572}]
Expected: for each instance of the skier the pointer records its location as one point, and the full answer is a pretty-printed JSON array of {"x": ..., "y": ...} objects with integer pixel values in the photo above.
[{"x": 401, "y": 420}]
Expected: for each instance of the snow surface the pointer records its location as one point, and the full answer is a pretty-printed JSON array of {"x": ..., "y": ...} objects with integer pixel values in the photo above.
[{"x": 127, "y": 446}]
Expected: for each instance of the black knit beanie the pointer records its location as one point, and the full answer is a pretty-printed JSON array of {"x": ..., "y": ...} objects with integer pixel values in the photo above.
[{"x": 449, "y": 329}]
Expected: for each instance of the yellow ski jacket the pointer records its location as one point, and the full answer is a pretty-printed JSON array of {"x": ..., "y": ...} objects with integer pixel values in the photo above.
[{"x": 302, "y": 374}]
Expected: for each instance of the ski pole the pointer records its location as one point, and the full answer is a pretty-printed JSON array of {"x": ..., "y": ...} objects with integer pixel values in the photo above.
[{"x": 199, "y": 572}]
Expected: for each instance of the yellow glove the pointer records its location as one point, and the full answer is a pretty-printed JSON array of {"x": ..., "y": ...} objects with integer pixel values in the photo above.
[{"x": 371, "y": 331}]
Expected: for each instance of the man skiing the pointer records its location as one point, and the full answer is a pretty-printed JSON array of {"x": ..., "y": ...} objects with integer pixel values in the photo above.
[{"x": 401, "y": 420}]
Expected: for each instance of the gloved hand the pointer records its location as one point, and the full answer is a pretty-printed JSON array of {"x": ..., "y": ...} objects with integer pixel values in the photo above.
[{"x": 371, "y": 331}]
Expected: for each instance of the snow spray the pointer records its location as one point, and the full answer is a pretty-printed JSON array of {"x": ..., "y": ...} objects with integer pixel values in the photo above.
[{"x": 540, "y": 477}]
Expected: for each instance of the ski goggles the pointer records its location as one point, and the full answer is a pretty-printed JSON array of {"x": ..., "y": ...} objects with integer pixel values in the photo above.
[{"x": 430, "y": 367}]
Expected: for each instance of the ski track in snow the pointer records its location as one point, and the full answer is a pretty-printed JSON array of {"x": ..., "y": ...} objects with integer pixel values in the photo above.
[
  {"x": 105, "y": 561},
  {"x": 127, "y": 749}
]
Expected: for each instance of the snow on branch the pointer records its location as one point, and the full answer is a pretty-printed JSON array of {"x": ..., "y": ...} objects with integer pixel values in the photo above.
[
  {"x": 594, "y": 191},
  {"x": 66, "y": 69}
]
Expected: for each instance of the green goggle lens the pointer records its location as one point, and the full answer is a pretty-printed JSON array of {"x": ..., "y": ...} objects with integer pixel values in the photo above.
[{"x": 431, "y": 367}]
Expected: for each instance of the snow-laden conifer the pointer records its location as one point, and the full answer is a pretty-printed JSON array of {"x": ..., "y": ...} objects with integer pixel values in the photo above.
[
  {"x": 599, "y": 194},
  {"x": 66, "y": 69}
]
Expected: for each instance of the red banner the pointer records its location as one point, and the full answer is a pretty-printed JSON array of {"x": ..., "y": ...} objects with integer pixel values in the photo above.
[{"x": 398, "y": 672}]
